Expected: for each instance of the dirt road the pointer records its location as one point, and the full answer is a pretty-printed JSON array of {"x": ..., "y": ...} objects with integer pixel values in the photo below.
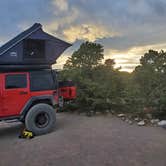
[{"x": 83, "y": 141}]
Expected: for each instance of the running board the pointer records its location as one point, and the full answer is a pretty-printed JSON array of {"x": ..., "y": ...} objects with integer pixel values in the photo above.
[
  {"x": 11, "y": 121},
  {"x": 12, "y": 118}
]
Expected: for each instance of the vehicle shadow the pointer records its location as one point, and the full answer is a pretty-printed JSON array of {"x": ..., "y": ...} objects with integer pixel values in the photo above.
[
  {"x": 8, "y": 131},
  {"x": 14, "y": 130}
]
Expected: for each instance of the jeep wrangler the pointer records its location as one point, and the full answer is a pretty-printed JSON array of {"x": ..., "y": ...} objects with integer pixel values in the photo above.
[
  {"x": 28, "y": 85},
  {"x": 29, "y": 97}
]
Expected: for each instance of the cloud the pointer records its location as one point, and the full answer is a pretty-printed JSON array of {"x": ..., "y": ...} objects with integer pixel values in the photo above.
[
  {"x": 57, "y": 23},
  {"x": 123, "y": 27},
  {"x": 85, "y": 32},
  {"x": 158, "y": 7},
  {"x": 61, "y": 5}
]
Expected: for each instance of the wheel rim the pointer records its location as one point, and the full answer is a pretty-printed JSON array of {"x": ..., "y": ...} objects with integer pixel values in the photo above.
[{"x": 42, "y": 120}]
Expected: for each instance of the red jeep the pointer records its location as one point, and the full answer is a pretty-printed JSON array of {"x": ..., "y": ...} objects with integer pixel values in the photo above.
[
  {"x": 28, "y": 85},
  {"x": 29, "y": 97}
]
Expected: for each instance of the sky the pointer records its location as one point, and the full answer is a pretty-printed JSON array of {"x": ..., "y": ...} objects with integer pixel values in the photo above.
[{"x": 126, "y": 28}]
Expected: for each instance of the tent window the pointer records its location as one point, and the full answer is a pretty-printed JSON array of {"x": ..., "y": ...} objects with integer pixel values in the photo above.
[{"x": 34, "y": 49}]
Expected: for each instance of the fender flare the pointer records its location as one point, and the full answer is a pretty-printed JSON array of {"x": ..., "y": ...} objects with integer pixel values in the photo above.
[{"x": 34, "y": 99}]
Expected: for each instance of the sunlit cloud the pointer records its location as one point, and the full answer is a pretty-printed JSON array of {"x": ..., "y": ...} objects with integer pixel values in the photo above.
[
  {"x": 86, "y": 32},
  {"x": 57, "y": 25}
]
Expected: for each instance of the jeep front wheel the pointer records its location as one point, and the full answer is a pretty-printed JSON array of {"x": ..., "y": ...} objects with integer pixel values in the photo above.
[{"x": 40, "y": 119}]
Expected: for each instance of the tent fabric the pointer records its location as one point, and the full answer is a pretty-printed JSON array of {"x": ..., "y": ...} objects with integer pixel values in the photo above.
[
  {"x": 19, "y": 38},
  {"x": 32, "y": 47}
]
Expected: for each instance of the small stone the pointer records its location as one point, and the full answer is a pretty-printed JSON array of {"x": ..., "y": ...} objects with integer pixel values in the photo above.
[
  {"x": 141, "y": 123},
  {"x": 121, "y": 115},
  {"x": 130, "y": 122},
  {"x": 154, "y": 121},
  {"x": 162, "y": 123},
  {"x": 136, "y": 119},
  {"x": 127, "y": 120}
]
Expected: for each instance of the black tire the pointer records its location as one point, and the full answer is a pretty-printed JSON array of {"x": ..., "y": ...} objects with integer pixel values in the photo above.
[{"x": 40, "y": 119}]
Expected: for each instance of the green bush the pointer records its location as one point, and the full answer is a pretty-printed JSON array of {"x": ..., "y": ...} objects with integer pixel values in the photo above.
[{"x": 101, "y": 87}]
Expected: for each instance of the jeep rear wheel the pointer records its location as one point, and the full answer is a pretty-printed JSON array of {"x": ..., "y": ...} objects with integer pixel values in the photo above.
[{"x": 40, "y": 119}]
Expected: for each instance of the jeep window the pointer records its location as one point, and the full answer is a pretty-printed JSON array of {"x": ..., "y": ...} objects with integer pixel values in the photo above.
[
  {"x": 13, "y": 81},
  {"x": 66, "y": 84},
  {"x": 41, "y": 80}
]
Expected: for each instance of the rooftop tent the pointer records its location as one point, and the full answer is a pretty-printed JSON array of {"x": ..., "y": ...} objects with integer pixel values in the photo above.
[{"x": 33, "y": 48}]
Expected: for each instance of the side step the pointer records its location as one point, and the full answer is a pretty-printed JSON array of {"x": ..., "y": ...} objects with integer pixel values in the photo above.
[{"x": 11, "y": 121}]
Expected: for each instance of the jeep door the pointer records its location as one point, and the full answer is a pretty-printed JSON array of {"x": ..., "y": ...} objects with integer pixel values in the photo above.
[{"x": 15, "y": 93}]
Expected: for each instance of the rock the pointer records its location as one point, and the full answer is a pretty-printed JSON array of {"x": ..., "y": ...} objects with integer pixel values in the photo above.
[
  {"x": 121, "y": 115},
  {"x": 154, "y": 121},
  {"x": 127, "y": 120},
  {"x": 123, "y": 118},
  {"x": 136, "y": 119},
  {"x": 130, "y": 122},
  {"x": 141, "y": 123},
  {"x": 162, "y": 123}
]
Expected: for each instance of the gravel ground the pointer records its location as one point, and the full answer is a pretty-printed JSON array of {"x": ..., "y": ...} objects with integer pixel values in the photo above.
[{"x": 85, "y": 141}]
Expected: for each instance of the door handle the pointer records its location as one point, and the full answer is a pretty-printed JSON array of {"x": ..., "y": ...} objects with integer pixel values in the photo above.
[{"x": 23, "y": 92}]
